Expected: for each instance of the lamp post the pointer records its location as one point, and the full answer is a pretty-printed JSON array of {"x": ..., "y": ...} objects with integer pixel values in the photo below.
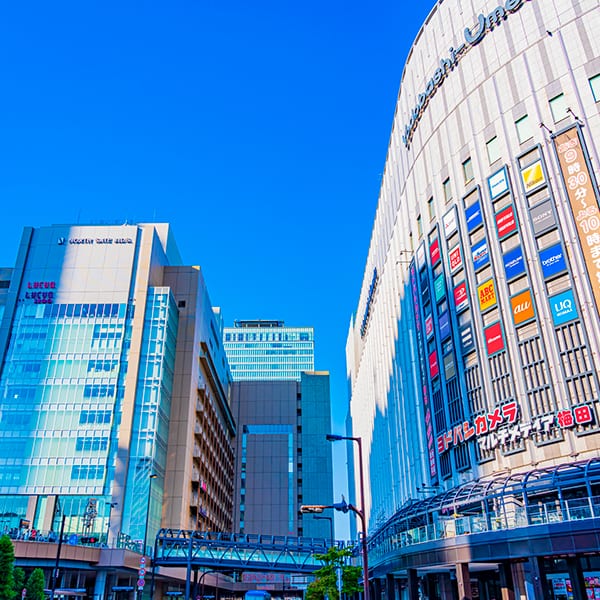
[
  {"x": 330, "y": 519},
  {"x": 150, "y": 477},
  {"x": 361, "y": 513},
  {"x": 111, "y": 505}
]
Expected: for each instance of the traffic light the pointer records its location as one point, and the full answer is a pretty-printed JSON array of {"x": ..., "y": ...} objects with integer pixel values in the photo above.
[{"x": 89, "y": 540}]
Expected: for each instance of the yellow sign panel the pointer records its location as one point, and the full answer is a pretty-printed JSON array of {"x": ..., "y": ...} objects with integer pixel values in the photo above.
[
  {"x": 533, "y": 176},
  {"x": 486, "y": 293}
]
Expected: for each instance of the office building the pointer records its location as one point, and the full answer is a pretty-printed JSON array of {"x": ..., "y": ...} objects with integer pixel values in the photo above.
[
  {"x": 473, "y": 356},
  {"x": 268, "y": 350},
  {"x": 114, "y": 401}
]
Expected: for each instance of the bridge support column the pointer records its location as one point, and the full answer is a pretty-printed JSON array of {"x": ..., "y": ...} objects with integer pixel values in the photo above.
[
  {"x": 376, "y": 589},
  {"x": 506, "y": 582},
  {"x": 412, "y": 584},
  {"x": 576, "y": 577},
  {"x": 446, "y": 591},
  {"x": 100, "y": 585},
  {"x": 463, "y": 579},
  {"x": 390, "y": 587}
]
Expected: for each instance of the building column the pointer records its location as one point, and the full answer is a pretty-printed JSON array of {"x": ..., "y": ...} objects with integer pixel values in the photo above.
[
  {"x": 390, "y": 587},
  {"x": 412, "y": 584},
  {"x": 463, "y": 579},
  {"x": 100, "y": 585},
  {"x": 576, "y": 577},
  {"x": 446, "y": 591},
  {"x": 506, "y": 581},
  {"x": 376, "y": 589},
  {"x": 530, "y": 580}
]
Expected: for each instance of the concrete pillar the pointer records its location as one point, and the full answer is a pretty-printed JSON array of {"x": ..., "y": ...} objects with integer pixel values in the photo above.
[
  {"x": 446, "y": 591},
  {"x": 506, "y": 581},
  {"x": 376, "y": 589},
  {"x": 463, "y": 579},
  {"x": 390, "y": 587},
  {"x": 530, "y": 580},
  {"x": 412, "y": 584},
  {"x": 576, "y": 577},
  {"x": 100, "y": 585}
]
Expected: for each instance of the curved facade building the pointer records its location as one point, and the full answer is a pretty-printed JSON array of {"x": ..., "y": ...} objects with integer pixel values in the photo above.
[{"x": 473, "y": 357}]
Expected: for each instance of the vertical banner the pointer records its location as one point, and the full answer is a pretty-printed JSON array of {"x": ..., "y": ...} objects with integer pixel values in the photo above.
[{"x": 579, "y": 185}]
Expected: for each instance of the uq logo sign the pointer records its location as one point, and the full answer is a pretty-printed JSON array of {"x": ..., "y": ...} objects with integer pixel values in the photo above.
[{"x": 473, "y": 35}]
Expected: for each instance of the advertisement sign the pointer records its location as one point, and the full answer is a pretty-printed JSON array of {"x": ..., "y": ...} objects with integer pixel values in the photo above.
[
  {"x": 514, "y": 264},
  {"x": 533, "y": 177},
  {"x": 494, "y": 339},
  {"x": 522, "y": 307},
  {"x": 455, "y": 259},
  {"x": 434, "y": 367},
  {"x": 563, "y": 307},
  {"x": 449, "y": 366},
  {"x": 449, "y": 222},
  {"x": 553, "y": 261},
  {"x": 467, "y": 341},
  {"x": 434, "y": 252},
  {"x": 444, "y": 322},
  {"x": 480, "y": 254},
  {"x": 439, "y": 286},
  {"x": 498, "y": 184},
  {"x": 506, "y": 222},
  {"x": 542, "y": 217},
  {"x": 583, "y": 199},
  {"x": 473, "y": 216},
  {"x": 428, "y": 325},
  {"x": 461, "y": 299},
  {"x": 486, "y": 293}
]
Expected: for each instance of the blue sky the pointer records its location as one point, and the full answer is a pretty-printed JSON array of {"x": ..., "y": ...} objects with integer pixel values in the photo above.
[{"x": 259, "y": 130}]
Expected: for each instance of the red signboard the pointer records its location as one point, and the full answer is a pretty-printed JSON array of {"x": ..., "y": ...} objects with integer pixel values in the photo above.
[
  {"x": 460, "y": 296},
  {"x": 428, "y": 325},
  {"x": 455, "y": 259},
  {"x": 434, "y": 252},
  {"x": 506, "y": 221},
  {"x": 494, "y": 338},
  {"x": 434, "y": 367}
]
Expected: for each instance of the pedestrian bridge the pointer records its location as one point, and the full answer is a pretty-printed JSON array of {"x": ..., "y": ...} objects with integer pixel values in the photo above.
[{"x": 200, "y": 550}]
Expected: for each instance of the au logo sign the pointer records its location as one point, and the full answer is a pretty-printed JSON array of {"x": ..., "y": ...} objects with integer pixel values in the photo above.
[{"x": 522, "y": 307}]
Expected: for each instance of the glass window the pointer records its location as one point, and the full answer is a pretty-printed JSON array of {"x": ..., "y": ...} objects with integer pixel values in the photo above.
[
  {"x": 523, "y": 126},
  {"x": 558, "y": 106},
  {"x": 447, "y": 190},
  {"x": 431, "y": 208},
  {"x": 595, "y": 85},
  {"x": 419, "y": 226},
  {"x": 493, "y": 149},
  {"x": 468, "y": 170}
]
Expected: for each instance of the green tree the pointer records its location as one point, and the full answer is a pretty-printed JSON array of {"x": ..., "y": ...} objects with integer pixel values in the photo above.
[
  {"x": 19, "y": 578},
  {"x": 326, "y": 578},
  {"x": 7, "y": 565},
  {"x": 35, "y": 585}
]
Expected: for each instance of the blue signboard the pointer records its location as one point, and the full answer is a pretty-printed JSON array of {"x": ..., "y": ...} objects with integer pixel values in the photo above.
[
  {"x": 466, "y": 338},
  {"x": 563, "y": 307},
  {"x": 444, "y": 323},
  {"x": 473, "y": 216},
  {"x": 553, "y": 261},
  {"x": 514, "y": 265},
  {"x": 480, "y": 254}
]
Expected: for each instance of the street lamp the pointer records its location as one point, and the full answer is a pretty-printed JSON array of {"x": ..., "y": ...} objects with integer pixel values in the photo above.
[
  {"x": 111, "y": 505},
  {"x": 150, "y": 477},
  {"x": 361, "y": 513},
  {"x": 330, "y": 519}
]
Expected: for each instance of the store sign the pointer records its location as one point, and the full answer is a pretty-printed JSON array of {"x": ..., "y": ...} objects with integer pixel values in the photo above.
[
  {"x": 434, "y": 252},
  {"x": 473, "y": 216},
  {"x": 494, "y": 338},
  {"x": 95, "y": 241},
  {"x": 553, "y": 261},
  {"x": 449, "y": 366},
  {"x": 444, "y": 323},
  {"x": 473, "y": 35},
  {"x": 563, "y": 308},
  {"x": 461, "y": 300},
  {"x": 439, "y": 286},
  {"x": 542, "y": 217},
  {"x": 498, "y": 184},
  {"x": 506, "y": 222},
  {"x": 428, "y": 325},
  {"x": 522, "y": 307},
  {"x": 449, "y": 222},
  {"x": 455, "y": 259},
  {"x": 583, "y": 199},
  {"x": 486, "y": 293},
  {"x": 434, "y": 367},
  {"x": 514, "y": 264},
  {"x": 533, "y": 177},
  {"x": 467, "y": 341},
  {"x": 370, "y": 296},
  {"x": 480, "y": 254},
  {"x": 41, "y": 292}
]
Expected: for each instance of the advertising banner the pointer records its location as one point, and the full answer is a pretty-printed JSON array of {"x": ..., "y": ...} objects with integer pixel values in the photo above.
[
  {"x": 450, "y": 223},
  {"x": 494, "y": 338},
  {"x": 486, "y": 293},
  {"x": 506, "y": 222},
  {"x": 480, "y": 254},
  {"x": 434, "y": 367},
  {"x": 583, "y": 199},
  {"x": 456, "y": 260},
  {"x": 533, "y": 177},
  {"x": 467, "y": 341},
  {"x": 434, "y": 252},
  {"x": 473, "y": 216},
  {"x": 553, "y": 261},
  {"x": 461, "y": 299},
  {"x": 439, "y": 287},
  {"x": 563, "y": 308},
  {"x": 522, "y": 307},
  {"x": 514, "y": 264},
  {"x": 444, "y": 322},
  {"x": 498, "y": 184},
  {"x": 542, "y": 217}
]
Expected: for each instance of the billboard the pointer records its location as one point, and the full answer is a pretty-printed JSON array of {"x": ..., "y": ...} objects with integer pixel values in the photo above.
[
  {"x": 480, "y": 254},
  {"x": 494, "y": 338},
  {"x": 456, "y": 260},
  {"x": 486, "y": 293},
  {"x": 533, "y": 177},
  {"x": 563, "y": 308},
  {"x": 553, "y": 261},
  {"x": 461, "y": 298},
  {"x": 514, "y": 263},
  {"x": 506, "y": 221},
  {"x": 473, "y": 216},
  {"x": 498, "y": 184},
  {"x": 522, "y": 307}
]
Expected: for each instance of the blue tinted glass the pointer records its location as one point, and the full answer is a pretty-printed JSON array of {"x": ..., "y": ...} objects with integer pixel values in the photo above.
[
  {"x": 77, "y": 312},
  {"x": 92, "y": 310}
]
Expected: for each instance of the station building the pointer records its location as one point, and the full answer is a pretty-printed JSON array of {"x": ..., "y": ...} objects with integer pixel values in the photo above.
[{"x": 474, "y": 352}]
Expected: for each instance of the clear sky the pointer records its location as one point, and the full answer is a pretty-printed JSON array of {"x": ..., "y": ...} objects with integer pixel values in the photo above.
[{"x": 259, "y": 130}]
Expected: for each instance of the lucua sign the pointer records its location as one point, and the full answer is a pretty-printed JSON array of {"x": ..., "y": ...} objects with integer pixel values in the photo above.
[{"x": 473, "y": 35}]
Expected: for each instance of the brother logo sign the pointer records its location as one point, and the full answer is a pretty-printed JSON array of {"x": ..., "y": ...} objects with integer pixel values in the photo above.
[{"x": 473, "y": 35}]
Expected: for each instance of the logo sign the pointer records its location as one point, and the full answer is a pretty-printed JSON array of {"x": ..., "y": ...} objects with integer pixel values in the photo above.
[
  {"x": 449, "y": 366},
  {"x": 467, "y": 341},
  {"x": 434, "y": 367},
  {"x": 498, "y": 184},
  {"x": 522, "y": 307},
  {"x": 553, "y": 261},
  {"x": 434, "y": 252},
  {"x": 461, "y": 300},
  {"x": 486, "y": 293},
  {"x": 428, "y": 325},
  {"x": 444, "y": 322},
  {"x": 514, "y": 264},
  {"x": 455, "y": 259},
  {"x": 480, "y": 254},
  {"x": 542, "y": 217},
  {"x": 506, "y": 222},
  {"x": 580, "y": 188},
  {"x": 421, "y": 256},
  {"x": 449, "y": 222},
  {"x": 533, "y": 177},
  {"x": 439, "y": 286},
  {"x": 494, "y": 338},
  {"x": 473, "y": 216},
  {"x": 563, "y": 307}
]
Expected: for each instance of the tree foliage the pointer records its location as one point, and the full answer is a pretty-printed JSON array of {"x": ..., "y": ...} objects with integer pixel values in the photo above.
[
  {"x": 35, "y": 585},
  {"x": 326, "y": 578},
  {"x": 19, "y": 581},
  {"x": 7, "y": 564}
]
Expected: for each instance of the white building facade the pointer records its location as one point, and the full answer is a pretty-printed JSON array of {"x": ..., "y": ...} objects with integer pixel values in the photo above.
[{"x": 473, "y": 357}]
